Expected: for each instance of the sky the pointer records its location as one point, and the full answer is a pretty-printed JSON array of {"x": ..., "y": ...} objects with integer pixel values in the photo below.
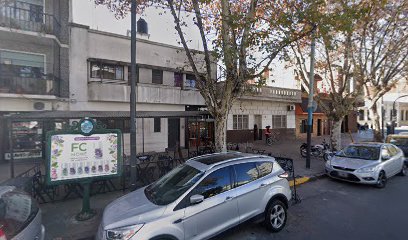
[{"x": 161, "y": 29}]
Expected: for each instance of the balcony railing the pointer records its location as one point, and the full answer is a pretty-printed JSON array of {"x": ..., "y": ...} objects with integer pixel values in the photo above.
[
  {"x": 26, "y": 80},
  {"x": 29, "y": 20},
  {"x": 272, "y": 93}
]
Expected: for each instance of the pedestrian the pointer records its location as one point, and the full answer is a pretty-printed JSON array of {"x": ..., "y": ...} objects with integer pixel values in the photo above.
[{"x": 267, "y": 133}]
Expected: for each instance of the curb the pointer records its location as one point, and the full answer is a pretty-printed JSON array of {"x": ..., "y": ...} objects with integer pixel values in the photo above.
[{"x": 303, "y": 180}]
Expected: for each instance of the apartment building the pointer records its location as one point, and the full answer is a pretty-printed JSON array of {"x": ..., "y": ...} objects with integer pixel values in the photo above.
[
  {"x": 34, "y": 68},
  {"x": 99, "y": 81}
]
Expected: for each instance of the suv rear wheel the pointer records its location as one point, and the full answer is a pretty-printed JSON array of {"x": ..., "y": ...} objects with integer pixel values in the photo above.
[{"x": 275, "y": 216}]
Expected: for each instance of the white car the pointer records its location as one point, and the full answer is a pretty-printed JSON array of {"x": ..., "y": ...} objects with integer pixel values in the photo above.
[
  {"x": 20, "y": 216},
  {"x": 369, "y": 163},
  {"x": 200, "y": 199}
]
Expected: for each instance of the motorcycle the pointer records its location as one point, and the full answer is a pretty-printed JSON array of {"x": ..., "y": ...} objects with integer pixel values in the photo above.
[{"x": 317, "y": 150}]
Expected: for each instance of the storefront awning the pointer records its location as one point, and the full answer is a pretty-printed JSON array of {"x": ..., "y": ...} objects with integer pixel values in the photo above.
[{"x": 104, "y": 114}]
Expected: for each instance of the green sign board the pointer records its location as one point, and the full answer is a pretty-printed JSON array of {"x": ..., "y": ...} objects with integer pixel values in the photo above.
[{"x": 82, "y": 153}]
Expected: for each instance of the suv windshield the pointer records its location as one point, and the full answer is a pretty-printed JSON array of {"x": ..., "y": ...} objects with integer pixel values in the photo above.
[
  {"x": 172, "y": 185},
  {"x": 17, "y": 210},
  {"x": 361, "y": 152}
]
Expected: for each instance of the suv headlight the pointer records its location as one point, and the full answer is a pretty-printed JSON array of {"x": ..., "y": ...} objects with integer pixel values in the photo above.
[
  {"x": 367, "y": 169},
  {"x": 123, "y": 233}
]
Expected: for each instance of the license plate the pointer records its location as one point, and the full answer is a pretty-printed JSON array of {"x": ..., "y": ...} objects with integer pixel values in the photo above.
[{"x": 343, "y": 174}]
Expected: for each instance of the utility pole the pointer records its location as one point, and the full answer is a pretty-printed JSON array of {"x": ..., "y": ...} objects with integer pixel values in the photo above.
[
  {"x": 133, "y": 160},
  {"x": 394, "y": 113},
  {"x": 310, "y": 102},
  {"x": 382, "y": 118}
]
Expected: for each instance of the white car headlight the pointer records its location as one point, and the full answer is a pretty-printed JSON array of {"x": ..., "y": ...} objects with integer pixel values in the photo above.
[
  {"x": 367, "y": 169},
  {"x": 123, "y": 233}
]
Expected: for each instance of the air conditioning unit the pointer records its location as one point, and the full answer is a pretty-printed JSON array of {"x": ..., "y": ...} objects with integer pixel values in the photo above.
[{"x": 291, "y": 107}]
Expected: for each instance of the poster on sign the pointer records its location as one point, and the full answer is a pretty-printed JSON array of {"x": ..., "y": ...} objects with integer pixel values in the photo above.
[{"x": 90, "y": 153}]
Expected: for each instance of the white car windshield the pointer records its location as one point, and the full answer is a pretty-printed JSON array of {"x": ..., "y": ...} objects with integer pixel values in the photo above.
[
  {"x": 172, "y": 185},
  {"x": 360, "y": 152}
]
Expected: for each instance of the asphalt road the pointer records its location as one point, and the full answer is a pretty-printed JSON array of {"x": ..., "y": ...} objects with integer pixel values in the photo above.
[{"x": 334, "y": 210}]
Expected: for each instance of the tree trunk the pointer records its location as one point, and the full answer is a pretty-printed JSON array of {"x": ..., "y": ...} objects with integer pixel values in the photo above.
[
  {"x": 376, "y": 120},
  {"x": 220, "y": 133},
  {"x": 335, "y": 134}
]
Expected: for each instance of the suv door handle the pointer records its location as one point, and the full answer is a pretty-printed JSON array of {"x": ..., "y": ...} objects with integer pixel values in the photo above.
[{"x": 229, "y": 198}]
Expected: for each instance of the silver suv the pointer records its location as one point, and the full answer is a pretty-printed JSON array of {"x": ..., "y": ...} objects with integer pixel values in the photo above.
[{"x": 200, "y": 199}]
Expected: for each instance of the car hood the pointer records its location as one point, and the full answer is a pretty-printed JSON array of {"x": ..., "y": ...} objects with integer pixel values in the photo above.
[
  {"x": 351, "y": 163},
  {"x": 133, "y": 208}
]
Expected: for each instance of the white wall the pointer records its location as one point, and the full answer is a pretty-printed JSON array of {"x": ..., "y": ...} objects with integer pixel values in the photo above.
[{"x": 264, "y": 108}]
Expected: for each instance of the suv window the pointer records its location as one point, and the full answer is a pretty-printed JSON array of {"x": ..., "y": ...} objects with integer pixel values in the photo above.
[
  {"x": 245, "y": 173},
  {"x": 217, "y": 182},
  {"x": 264, "y": 168}
]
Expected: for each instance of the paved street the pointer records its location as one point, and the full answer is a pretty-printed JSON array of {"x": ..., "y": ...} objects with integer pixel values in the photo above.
[{"x": 335, "y": 210}]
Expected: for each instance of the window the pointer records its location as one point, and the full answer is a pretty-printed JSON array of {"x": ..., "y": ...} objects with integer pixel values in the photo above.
[
  {"x": 240, "y": 122},
  {"x": 29, "y": 10},
  {"x": 24, "y": 65},
  {"x": 245, "y": 173},
  {"x": 402, "y": 115},
  {"x": 361, "y": 115},
  {"x": 279, "y": 121},
  {"x": 190, "y": 81},
  {"x": 106, "y": 71},
  {"x": 157, "y": 76},
  {"x": 178, "y": 79},
  {"x": 130, "y": 73},
  {"x": 264, "y": 168},
  {"x": 385, "y": 153},
  {"x": 215, "y": 183},
  {"x": 393, "y": 151},
  {"x": 172, "y": 185},
  {"x": 303, "y": 126},
  {"x": 157, "y": 124},
  {"x": 122, "y": 124}
]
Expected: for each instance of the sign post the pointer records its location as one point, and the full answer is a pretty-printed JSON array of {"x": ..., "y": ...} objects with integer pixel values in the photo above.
[{"x": 82, "y": 153}]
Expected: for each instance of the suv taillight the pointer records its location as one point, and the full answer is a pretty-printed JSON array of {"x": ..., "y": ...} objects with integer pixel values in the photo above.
[{"x": 2, "y": 234}]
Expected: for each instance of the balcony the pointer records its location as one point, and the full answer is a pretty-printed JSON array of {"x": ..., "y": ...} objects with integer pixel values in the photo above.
[
  {"x": 266, "y": 93},
  {"x": 17, "y": 79},
  {"x": 146, "y": 93},
  {"x": 29, "y": 20}
]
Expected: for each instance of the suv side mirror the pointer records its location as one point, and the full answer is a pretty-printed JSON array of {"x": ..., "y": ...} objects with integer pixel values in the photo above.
[
  {"x": 196, "y": 199},
  {"x": 385, "y": 157}
]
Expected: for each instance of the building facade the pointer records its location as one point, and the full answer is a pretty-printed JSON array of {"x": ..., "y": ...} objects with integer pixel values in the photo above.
[
  {"x": 398, "y": 95},
  {"x": 99, "y": 81},
  {"x": 260, "y": 107},
  {"x": 34, "y": 66}
]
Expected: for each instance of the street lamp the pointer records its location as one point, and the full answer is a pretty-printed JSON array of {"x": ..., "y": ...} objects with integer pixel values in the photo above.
[{"x": 394, "y": 113}]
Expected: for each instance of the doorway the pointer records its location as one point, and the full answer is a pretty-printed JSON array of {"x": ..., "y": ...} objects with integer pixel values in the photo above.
[
  {"x": 258, "y": 128},
  {"x": 173, "y": 131},
  {"x": 319, "y": 127}
]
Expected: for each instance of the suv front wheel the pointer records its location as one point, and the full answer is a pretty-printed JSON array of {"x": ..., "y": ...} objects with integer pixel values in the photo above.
[{"x": 276, "y": 216}]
